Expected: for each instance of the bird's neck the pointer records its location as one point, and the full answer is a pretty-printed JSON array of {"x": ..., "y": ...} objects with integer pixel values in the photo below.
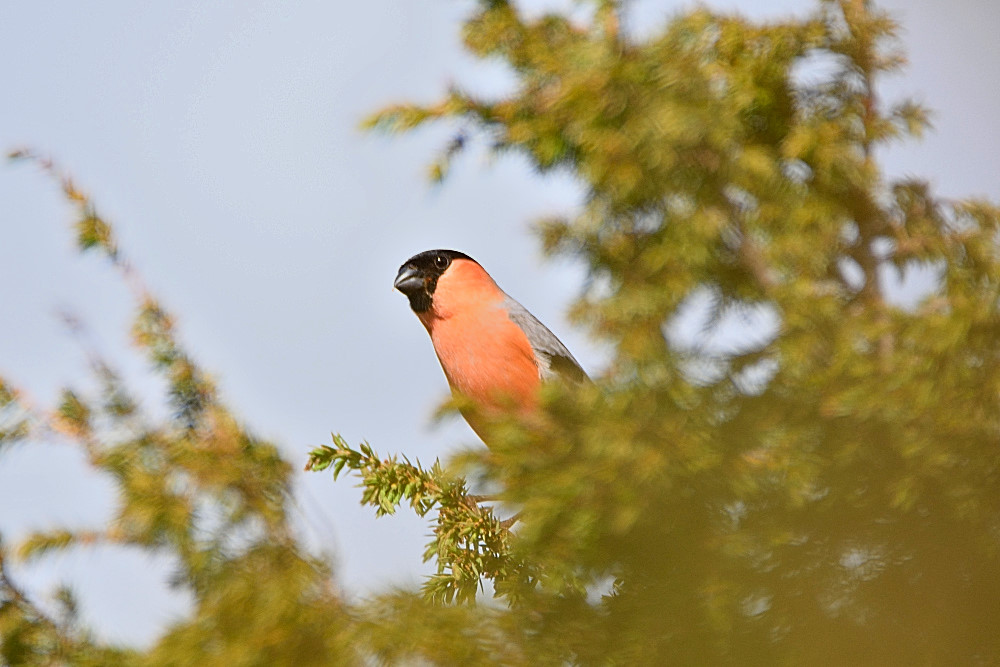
[{"x": 465, "y": 290}]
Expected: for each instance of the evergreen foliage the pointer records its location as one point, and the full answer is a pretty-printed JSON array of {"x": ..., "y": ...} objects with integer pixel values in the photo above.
[{"x": 825, "y": 491}]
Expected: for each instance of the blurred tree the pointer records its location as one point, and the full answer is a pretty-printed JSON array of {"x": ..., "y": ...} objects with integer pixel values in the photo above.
[
  {"x": 824, "y": 491},
  {"x": 198, "y": 487}
]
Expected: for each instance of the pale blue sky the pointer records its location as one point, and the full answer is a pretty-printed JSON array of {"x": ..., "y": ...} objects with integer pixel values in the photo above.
[{"x": 221, "y": 139}]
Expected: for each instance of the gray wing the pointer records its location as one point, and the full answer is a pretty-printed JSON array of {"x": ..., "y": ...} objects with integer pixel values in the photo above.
[{"x": 554, "y": 360}]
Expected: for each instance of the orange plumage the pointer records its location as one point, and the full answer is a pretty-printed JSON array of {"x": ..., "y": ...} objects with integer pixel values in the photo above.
[{"x": 491, "y": 349}]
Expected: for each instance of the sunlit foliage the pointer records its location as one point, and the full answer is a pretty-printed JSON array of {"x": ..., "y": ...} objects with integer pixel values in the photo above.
[
  {"x": 198, "y": 487},
  {"x": 823, "y": 489}
]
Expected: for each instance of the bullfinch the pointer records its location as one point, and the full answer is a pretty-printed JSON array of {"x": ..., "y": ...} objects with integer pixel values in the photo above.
[{"x": 493, "y": 351}]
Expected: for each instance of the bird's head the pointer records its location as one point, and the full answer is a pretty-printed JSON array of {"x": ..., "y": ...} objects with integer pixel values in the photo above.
[{"x": 418, "y": 276}]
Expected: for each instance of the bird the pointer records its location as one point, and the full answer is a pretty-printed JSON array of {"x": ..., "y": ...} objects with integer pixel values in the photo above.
[{"x": 492, "y": 350}]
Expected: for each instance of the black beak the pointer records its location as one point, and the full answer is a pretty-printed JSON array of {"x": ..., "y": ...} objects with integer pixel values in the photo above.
[{"x": 409, "y": 280}]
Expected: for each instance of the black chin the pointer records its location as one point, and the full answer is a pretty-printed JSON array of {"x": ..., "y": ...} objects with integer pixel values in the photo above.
[{"x": 420, "y": 301}]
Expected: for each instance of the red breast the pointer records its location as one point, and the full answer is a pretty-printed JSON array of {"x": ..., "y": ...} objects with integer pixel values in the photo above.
[{"x": 485, "y": 356}]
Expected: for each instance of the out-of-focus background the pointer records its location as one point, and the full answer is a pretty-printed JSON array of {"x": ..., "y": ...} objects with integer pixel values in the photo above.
[{"x": 223, "y": 142}]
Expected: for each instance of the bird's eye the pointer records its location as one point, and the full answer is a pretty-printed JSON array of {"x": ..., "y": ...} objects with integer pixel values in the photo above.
[{"x": 441, "y": 262}]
